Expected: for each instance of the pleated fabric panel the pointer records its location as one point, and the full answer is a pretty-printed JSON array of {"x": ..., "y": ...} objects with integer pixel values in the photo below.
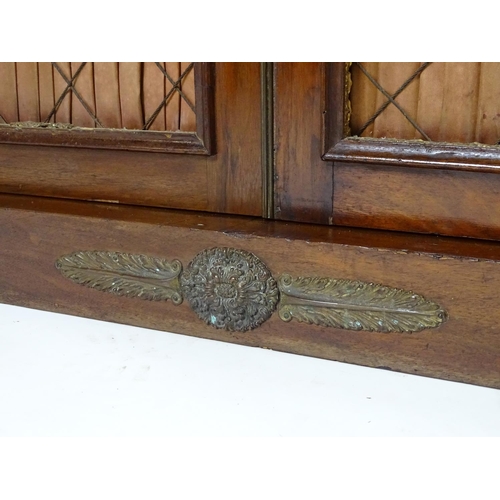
[
  {"x": 450, "y": 102},
  {"x": 128, "y": 95}
]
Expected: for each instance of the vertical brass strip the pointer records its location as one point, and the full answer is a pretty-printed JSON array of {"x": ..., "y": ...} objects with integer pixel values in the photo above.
[
  {"x": 347, "y": 100},
  {"x": 267, "y": 104}
]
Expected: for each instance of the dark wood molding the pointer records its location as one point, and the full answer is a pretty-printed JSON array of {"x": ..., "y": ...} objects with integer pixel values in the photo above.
[
  {"x": 337, "y": 105},
  {"x": 423, "y": 154},
  {"x": 205, "y": 116},
  {"x": 340, "y": 146},
  {"x": 200, "y": 142},
  {"x": 125, "y": 140},
  {"x": 267, "y": 167}
]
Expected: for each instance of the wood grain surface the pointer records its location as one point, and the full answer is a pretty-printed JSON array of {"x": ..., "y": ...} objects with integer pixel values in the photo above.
[
  {"x": 448, "y": 202},
  {"x": 463, "y": 276},
  {"x": 303, "y": 182}
]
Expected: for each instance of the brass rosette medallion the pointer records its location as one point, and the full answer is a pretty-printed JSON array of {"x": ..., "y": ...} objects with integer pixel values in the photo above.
[{"x": 230, "y": 289}]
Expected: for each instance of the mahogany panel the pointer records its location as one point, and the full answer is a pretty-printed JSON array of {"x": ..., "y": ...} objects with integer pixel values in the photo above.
[
  {"x": 114, "y": 176},
  {"x": 479, "y": 158},
  {"x": 234, "y": 174},
  {"x": 303, "y": 182},
  {"x": 463, "y": 276},
  {"x": 456, "y": 203}
]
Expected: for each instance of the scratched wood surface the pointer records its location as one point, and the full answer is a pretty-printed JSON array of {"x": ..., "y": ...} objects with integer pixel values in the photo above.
[{"x": 463, "y": 276}]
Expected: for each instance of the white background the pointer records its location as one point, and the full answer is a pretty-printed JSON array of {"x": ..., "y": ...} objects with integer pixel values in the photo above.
[
  {"x": 61, "y": 376},
  {"x": 67, "y": 376},
  {"x": 229, "y": 416}
]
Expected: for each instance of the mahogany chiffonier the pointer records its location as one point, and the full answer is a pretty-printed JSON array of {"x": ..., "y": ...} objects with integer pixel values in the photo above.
[{"x": 344, "y": 211}]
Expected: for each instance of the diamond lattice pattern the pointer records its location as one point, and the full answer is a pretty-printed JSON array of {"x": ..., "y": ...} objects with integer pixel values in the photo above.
[
  {"x": 137, "y": 96},
  {"x": 445, "y": 102}
]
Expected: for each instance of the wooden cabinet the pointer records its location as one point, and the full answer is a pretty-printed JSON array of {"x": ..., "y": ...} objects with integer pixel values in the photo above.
[{"x": 267, "y": 224}]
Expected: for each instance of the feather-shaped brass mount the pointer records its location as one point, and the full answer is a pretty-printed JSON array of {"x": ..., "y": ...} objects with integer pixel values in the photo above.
[
  {"x": 147, "y": 278},
  {"x": 356, "y": 305}
]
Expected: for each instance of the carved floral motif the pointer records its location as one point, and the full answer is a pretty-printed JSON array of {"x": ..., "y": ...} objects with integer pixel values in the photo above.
[{"x": 230, "y": 288}]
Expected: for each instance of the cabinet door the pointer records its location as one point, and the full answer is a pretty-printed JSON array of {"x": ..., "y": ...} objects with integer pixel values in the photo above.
[
  {"x": 406, "y": 146},
  {"x": 177, "y": 135}
]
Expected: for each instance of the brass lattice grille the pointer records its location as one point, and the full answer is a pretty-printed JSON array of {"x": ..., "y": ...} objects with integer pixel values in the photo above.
[
  {"x": 447, "y": 102},
  {"x": 137, "y": 96}
]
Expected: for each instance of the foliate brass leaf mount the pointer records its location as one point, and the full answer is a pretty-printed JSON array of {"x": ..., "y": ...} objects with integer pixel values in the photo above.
[
  {"x": 131, "y": 275},
  {"x": 356, "y": 305},
  {"x": 234, "y": 290}
]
